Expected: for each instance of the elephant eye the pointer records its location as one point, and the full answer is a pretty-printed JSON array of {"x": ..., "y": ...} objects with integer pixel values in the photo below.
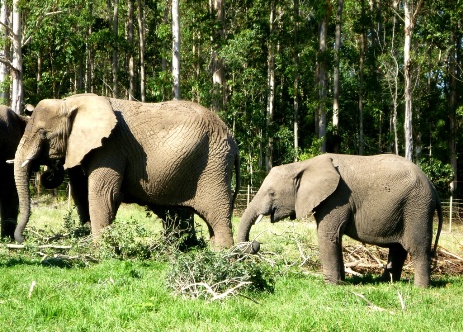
[{"x": 43, "y": 133}]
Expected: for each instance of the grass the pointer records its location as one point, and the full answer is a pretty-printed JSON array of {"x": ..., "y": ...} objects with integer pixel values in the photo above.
[{"x": 133, "y": 295}]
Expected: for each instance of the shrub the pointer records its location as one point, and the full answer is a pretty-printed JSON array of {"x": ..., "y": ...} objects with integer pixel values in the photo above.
[{"x": 214, "y": 275}]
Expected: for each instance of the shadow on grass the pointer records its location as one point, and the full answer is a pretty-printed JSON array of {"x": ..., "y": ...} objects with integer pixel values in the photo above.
[
  {"x": 15, "y": 261},
  {"x": 52, "y": 262},
  {"x": 371, "y": 279}
]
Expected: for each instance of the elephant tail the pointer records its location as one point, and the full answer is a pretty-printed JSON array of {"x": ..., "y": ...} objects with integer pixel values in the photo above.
[
  {"x": 238, "y": 177},
  {"x": 439, "y": 227}
]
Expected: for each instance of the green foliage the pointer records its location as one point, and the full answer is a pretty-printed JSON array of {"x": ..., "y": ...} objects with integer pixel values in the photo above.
[
  {"x": 312, "y": 151},
  {"x": 439, "y": 173},
  {"x": 206, "y": 274},
  {"x": 127, "y": 239},
  {"x": 72, "y": 41}
]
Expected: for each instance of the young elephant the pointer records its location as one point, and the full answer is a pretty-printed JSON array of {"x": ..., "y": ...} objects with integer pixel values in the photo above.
[
  {"x": 383, "y": 200},
  {"x": 11, "y": 130}
]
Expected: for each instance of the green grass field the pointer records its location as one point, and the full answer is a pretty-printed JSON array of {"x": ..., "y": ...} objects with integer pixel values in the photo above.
[{"x": 110, "y": 294}]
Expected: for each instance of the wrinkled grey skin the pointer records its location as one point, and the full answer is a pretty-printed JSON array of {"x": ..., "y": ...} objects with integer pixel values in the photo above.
[
  {"x": 383, "y": 200},
  {"x": 166, "y": 155},
  {"x": 11, "y": 130}
]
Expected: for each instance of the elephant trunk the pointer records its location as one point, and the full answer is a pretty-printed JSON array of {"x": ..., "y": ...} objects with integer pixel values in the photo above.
[
  {"x": 247, "y": 220},
  {"x": 21, "y": 175}
]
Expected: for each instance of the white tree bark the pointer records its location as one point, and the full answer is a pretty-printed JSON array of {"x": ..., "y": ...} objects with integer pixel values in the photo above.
[
  {"x": 271, "y": 90},
  {"x": 296, "y": 82},
  {"x": 218, "y": 75},
  {"x": 322, "y": 84},
  {"x": 115, "y": 66},
  {"x": 131, "y": 53},
  {"x": 176, "y": 48},
  {"x": 17, "y": 93},
  {"x": 408, "y": 82},
  {"x": 410, "y": 14},
  {"x": 337, "y": 46},
  {"x": 141, "y": 38},
  {"x": 4, "y": 53}
]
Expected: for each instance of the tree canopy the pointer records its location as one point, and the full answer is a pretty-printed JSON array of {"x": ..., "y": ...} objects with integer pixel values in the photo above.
[{"x": 232, "y": 51}]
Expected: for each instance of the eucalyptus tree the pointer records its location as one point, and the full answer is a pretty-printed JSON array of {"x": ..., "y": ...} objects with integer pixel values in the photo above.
[{"x": 176, "y": 48}]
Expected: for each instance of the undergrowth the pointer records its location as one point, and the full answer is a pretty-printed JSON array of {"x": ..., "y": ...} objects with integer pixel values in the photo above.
[{"x": 195, "y": 272}]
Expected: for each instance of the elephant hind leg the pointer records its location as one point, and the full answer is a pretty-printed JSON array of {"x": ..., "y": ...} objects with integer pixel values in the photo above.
[
  {"x": 422, "y": 265},
  {"x": 395, "y": 262}
]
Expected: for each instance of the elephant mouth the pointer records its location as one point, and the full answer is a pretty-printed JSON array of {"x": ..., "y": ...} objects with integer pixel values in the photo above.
[
  {"x": 272, "y": 216},
  {"x": 275, "y": 216}
]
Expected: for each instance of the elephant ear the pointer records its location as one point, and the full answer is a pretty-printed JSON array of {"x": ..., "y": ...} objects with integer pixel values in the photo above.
[
  {"x": 317, "y": 179},
  {"x": 92, "y": 119}
]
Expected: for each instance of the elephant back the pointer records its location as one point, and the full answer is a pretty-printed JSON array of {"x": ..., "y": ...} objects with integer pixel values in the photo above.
[{"x": 12, "y": 128}]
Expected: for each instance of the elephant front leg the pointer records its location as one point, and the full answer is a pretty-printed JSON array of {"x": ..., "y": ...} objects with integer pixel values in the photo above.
[
  {"x": 79, "y": 193},
  {"x": 104, "y": 198},
  {"x": 330, "y": 246}
]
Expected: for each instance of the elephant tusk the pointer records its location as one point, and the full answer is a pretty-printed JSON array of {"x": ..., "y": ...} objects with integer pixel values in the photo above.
[
  {"x": 26, "y": 163},
  {"x": 259, "y": 218},
  {"x": 11, "y": 161}
]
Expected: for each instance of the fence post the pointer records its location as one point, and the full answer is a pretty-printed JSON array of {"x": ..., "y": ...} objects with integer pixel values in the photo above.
[
  {"x": 247, "y": 199},
  {"x": 450, "y": 218}
]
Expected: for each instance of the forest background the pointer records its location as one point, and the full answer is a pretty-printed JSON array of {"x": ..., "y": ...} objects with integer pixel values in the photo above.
[{"x": 292, "y": 79}]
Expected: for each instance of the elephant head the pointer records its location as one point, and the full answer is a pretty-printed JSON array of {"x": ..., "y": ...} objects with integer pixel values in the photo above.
[
  {"x": 59, "y": 129},
  {"x": 291, "y": 190}
]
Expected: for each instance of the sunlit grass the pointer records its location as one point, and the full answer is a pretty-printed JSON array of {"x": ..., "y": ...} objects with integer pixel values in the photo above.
[{"x": 132, "y": 295}]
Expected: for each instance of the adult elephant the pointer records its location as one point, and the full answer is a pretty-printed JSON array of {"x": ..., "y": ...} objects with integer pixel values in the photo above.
[
  {"x": 172, "y": 154},
  {"x": 12, "y": 128},
  {"x": 383, "y": 200}
]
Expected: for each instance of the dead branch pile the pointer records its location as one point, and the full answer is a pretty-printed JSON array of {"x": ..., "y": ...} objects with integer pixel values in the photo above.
[{"x": 364, "y": 259}]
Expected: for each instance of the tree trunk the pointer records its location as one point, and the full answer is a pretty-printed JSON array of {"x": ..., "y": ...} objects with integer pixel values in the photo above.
[
  {"x": 176, "y": 48},
  {"x": 453, "y": 95},
  {"x": 337, "y": 45},
  {"x": 363, "y": 42},
  {"x": 394, "y": 83},
  {"x": 409, "y": 20},
  {"x": 141, "y": 38},
  {"x": 408, "y": 82},
  {"x": 296, "y": 81},
  {"x": 322, "y": 82},
  {"x": 271, "y": 89},
  {"x": 16, "y": 70},
  {"x": 218, "y": 74},
  {"x": 131, "y": 48},
  {"x": 89, "y": 58},
  {"x": 5, "y": 53},
  {"x": 114, "y": 63}
]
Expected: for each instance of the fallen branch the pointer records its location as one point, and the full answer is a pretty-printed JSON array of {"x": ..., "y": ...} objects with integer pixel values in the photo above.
[
  {"x": 450, "y": 254},
  {"x": 44, "y": 246},
  {"x": 350, "y": 271},
  {"x": 371, "y": 304},
  {"x": 215, "y": 295},
  {"x": 229, "y": 291}
]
